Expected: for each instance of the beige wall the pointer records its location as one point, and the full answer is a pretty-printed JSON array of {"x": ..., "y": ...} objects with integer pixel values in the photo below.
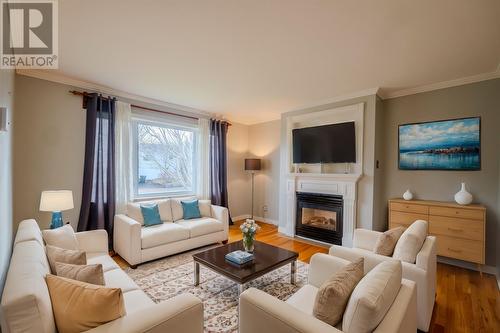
[
  {"x": 264, "y": 143},
  {"x": 478, "y": 99},
  {"x": 238, "y": 181},
  {"x": 6, "y": 221},
  {"x": 49, "y": 147}
]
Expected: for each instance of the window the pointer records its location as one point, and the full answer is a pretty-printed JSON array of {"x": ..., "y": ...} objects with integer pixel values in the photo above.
[{"x": 164, "y": 159}]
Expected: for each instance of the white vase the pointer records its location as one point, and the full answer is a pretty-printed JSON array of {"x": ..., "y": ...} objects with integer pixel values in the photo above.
[
  {"x": 463, "y": 197},
  {"x": 407, "y": 195}
]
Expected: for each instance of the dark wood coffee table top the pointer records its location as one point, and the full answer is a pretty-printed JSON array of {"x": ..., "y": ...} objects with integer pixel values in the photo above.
[{"x": 266, "y": 259}]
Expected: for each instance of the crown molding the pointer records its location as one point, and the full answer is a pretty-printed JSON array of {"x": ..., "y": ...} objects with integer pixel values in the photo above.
[
  {"x": 85, "y": 85},
  {"x": 441, "y": 85}
]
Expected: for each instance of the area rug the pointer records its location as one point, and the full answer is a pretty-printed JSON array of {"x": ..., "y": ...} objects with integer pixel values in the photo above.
[{"x": 165, "y": 278}]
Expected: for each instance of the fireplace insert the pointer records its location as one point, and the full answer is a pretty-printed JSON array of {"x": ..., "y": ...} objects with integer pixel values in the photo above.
[{"x": 319, "y": 217}]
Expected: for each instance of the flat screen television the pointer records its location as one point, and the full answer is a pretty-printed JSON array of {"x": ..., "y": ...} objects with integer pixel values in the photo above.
[{"x": 334, "y": 143}]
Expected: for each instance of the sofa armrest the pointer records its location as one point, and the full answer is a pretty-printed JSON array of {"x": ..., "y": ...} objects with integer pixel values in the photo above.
[
  {"x": 402, "y": 315},
  {"x": 323, "y": 266},
  {"x": 182, "y": 313},
  {"x": 93, "y": 241},
  {"x": 365, "y": 239},
  {"x": 222, "y": 214},
  {"x": 261, "y": 312},
  {"x": 426, "y": 258},
  {"x": 127, "y": 239}
]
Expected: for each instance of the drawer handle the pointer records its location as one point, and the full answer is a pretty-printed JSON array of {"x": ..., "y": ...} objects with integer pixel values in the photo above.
[
  {"x": 456, "y": 230},
  {"x": 453, "y": 250}
]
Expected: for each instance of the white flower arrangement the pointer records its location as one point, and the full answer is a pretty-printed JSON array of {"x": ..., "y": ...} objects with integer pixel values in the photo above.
[{"x": 249, "y": 227}]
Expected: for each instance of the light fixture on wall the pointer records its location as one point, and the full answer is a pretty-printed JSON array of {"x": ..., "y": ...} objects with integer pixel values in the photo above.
[
  {"x": 252, "y": 165},
  {"x": 56, "y": 202}
]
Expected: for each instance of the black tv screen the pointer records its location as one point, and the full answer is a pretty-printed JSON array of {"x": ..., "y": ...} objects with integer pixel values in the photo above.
[{"x": 334, "y": 143}]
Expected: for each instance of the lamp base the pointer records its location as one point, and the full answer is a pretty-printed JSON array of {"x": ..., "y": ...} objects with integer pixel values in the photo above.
[{"x": 57, "y": 220}]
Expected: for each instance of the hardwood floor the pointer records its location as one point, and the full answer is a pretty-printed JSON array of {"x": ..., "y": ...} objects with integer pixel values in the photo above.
[{"x": 465, "y": 301}]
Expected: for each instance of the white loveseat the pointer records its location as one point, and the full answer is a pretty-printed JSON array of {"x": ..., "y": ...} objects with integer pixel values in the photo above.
[
  {"x": 261, "y": 312},
  {"x": 26, "y": 306},
  {"x": 137, "y": 244},
  {"x": 422, "y": 272}
]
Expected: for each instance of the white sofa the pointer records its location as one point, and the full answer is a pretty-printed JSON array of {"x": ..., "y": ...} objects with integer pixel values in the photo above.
[
  {"x": 137, "y": 244},
  {"x": 26, "y": 305},
  {"x": 261, "y": 312},
  {"x": 422, "y": 272}
]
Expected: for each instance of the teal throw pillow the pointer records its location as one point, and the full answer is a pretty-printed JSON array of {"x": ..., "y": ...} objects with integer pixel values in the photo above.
[
  {"x": 151, "y": 215},
  {"x": 190, "y": 210}
]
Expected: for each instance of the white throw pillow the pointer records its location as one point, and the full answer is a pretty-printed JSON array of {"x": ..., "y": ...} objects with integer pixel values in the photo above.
[
  {"x": 372, "y": 298},
  {"x": 205, "y": 208},
  {"x": 63, "y": 237},
  {"x": 410, "y": 242}
]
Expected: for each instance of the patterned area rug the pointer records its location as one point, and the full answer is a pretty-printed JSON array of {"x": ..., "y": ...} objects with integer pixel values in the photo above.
[{"x": 164, "y": 278}]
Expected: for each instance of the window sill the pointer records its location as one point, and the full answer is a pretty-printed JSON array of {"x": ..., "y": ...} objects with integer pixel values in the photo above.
[{"x": 160, "y": 197}]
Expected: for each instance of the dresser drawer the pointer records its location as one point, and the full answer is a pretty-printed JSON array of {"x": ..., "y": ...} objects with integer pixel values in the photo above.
[
  {"x": 410, "y": 208},
  {"x": 457, "y": 212},
  {"x": 456, "y": 227},
  {"x": 406, "y": 219},
  {"x": 462, "y": 249}
]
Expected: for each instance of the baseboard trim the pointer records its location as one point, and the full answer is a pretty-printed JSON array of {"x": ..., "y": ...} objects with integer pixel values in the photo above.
[
  {"x": 467, "y": 265},
  {"x": 257, "y": 218}
]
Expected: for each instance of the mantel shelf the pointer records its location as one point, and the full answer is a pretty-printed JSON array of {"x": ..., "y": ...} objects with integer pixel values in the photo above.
[{"x": 339, "y": 176}]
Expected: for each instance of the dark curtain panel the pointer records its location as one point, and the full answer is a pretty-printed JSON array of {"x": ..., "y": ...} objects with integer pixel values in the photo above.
[
  {"x": 98, "y": 195},
  {"x": 218, "y": 163}
]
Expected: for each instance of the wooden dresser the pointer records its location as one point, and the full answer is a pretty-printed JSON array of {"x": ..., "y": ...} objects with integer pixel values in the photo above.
[{"x": 460, "y": 230}]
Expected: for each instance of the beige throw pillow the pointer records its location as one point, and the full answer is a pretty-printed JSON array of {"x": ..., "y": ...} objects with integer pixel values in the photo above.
[
  {"x": 372, "y": 298},
  {"x": 387, "y": 241},
  {"x": 63, "y": 237},
  {"x": 80, "y": 306},
  {"x": 85, "y": 273},
  {"x": 410, "y": 242},
  {"x": 56, "y": 254},
  {"x": 334, "y": 293},
  {"x": 205, "y": 208}
]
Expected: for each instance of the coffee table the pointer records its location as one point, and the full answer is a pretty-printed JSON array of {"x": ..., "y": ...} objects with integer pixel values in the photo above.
[{"x": 266, "y": 259}]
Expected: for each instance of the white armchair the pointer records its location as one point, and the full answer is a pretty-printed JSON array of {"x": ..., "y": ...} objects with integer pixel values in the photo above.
[
  {"x": 261, "y": 312},
  {"x": 422, "y": 272}
]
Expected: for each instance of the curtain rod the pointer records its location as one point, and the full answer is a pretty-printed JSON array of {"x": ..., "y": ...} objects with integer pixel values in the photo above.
[{"x": 74, "y": 92}]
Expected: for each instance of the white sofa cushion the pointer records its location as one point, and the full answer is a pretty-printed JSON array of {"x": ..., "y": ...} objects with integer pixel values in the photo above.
[
  {"x": 136, "y": 300},
  {"x": 177, "y": 212},
  {"x": 26, "y": 305},
  {"x": 63, "y": 237},
  {"x": 116, "y": 278},
  {"x": 304, "y": 298},
  {"x": 134, "y": 210},
  {"x": 162, "y": 234},
  {"x": 410, "y": 242},
  {"x": 205, "y": 208},
  {"x": 101, "y": 258},
  {"x": 372, "y": 298},
  {"x": 201, "y": 226}
]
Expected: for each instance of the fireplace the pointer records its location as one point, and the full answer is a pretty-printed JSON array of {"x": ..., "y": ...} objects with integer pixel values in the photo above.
[{"x": 319, "y": 217}]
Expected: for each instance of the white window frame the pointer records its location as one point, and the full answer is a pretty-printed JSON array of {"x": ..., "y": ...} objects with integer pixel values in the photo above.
[{"x": 136, "y": 120}]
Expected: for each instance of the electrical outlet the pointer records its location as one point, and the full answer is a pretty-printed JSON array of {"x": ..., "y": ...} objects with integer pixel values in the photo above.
[{"x": 264, "y": 208}]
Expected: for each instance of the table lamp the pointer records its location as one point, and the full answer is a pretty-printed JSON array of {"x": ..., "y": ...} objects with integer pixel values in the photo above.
[
  {"x": 252, "y": 165},
  {"x": 56, "y": 202}
]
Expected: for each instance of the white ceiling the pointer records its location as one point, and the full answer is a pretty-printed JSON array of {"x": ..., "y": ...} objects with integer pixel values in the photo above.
[{"x": 252, "y": 60}]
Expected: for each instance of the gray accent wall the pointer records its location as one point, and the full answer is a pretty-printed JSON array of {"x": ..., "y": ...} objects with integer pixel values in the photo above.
[
  {"x": 477, "y": 99},
  {"x": 6, "y": 220}
]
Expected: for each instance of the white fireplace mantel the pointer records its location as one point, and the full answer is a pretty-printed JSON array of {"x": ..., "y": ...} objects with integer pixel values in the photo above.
[{"x": 338, "y": 184}]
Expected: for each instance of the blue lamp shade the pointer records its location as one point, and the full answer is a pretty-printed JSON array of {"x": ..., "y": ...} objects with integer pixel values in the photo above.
[{"x": 56, "y": 202}]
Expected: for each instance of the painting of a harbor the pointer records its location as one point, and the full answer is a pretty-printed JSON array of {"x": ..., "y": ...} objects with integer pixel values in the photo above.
[{"x": 441, "y": 145}]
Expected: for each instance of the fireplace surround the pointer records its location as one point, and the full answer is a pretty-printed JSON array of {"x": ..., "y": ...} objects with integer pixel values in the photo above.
[{"x": 319, "y": 217}]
